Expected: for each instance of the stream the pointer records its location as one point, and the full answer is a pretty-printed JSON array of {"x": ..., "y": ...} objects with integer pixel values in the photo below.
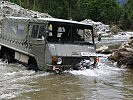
[{"x": 107, "y": 82}]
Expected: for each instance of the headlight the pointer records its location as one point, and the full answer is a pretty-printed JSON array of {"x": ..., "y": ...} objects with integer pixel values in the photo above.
[{"x": 59, "y": 61}]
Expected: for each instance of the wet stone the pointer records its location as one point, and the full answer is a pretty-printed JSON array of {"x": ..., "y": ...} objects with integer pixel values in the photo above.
[{"x": 124, "y": 55}]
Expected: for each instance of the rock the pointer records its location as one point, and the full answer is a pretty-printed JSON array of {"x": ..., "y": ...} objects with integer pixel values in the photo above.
[
  {"x": 11, "y": 9},
  {"x": 124, "y": 55},
  {"x": 104, "y": 50},
  {"x": 114, "y": 56},
  {"x": 126, "y": 60},
  {"x": 99, "y": 28},
  {"x": 115, "y": 29},
  {"x": 131, "y": 38}
]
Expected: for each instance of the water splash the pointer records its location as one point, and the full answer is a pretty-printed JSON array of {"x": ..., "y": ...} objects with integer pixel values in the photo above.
[
  {"x": 15, "y": 80},
  {"x": 102, "y": 69}
]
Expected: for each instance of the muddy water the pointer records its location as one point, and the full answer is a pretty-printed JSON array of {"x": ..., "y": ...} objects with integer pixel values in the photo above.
[{"x": 107, "y": 82}]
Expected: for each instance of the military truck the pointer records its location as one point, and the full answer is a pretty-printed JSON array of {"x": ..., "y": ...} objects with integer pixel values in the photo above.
[{"x": 48, "y": 44}]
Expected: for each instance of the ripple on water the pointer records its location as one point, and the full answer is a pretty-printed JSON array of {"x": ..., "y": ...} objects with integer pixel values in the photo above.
[
  {"x": 104, "y": 82},
  {"x": 15, "y": 80}
]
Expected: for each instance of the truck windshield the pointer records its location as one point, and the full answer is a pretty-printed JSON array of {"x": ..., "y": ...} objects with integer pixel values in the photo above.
[{"x": 66, "y": 33}]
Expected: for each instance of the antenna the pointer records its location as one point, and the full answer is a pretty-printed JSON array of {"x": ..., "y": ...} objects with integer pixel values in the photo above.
[
  {"x": 34, "y": 5},
  {"x": 70, "y": 9}
]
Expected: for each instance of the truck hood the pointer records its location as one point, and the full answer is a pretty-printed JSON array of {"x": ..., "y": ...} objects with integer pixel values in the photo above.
[{"x": 71, "y": 50}]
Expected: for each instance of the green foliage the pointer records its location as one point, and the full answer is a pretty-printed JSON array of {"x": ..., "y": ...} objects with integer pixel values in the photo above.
[
  {"x": 107, "y": 11},
  {"x": 101, "y": 10},
  {"x": 127, "y": 18},
  {"x": 15, "y": 1}
]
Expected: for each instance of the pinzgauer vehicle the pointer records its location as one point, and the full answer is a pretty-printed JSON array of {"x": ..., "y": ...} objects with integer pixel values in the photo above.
[{"x": 47, "y": 43}]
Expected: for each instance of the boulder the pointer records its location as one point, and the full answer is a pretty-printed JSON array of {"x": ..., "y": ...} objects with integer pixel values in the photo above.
[
  {"x": 10, "y": 9},
  {"x": 124, "y": 55},
  {"x": 115, "y": 29},
  {"x": 99, "y": 28},
  {"x": 114, "y": 56},
  {"x": 104, "y": 50}
]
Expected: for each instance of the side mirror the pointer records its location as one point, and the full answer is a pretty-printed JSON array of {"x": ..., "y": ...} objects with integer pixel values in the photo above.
[{"x": 99, "y": 37}]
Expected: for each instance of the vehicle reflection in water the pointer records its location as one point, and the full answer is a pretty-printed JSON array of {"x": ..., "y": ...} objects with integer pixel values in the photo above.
[{"x": 106, "y": 82}]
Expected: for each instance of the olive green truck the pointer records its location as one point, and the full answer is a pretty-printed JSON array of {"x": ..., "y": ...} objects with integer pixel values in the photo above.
[{"x": 48, "y": 44}]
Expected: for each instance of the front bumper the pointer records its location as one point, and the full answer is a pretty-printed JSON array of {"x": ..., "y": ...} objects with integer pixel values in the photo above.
[
  {"x": 70, "y": 67},
  {"x": 61, "y": 67},
  {"x": 78, "y": 65}
]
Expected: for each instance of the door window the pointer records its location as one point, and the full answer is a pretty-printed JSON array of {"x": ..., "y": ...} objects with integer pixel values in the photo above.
[
  {"x": 20, "y": 29},
  {"x": 41, "y": 31},
  {"x": 37, "y": 31}
]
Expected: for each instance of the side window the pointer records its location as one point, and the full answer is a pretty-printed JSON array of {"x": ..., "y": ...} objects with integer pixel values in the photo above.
[
  {"x": 35, "y": 30},
  {"x": 60, "y": 31},
  {"x": 41, "y": 31},
  {"x": 20, "y": 29},
  {"x": 81, "y": 33}
]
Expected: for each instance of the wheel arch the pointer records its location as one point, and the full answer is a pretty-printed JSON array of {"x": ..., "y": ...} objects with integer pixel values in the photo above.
[
  {"x": 32, "y": 60},
  {"x": 5, "y": 49}
]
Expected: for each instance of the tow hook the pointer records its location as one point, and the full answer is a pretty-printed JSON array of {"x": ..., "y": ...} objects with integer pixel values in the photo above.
[{"x": 57, "y": 69}]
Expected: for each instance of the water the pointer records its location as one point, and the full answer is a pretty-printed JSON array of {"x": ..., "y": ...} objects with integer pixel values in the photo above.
[
  {"x": 106, "y": 82},
  {"x": 114, "y": 40}
]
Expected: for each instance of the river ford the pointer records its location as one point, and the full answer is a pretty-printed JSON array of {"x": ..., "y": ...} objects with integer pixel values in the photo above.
[{"x": 106, "y": 82}]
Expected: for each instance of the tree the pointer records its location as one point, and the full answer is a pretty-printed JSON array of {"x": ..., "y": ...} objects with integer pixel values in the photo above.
[
  {"x": 127, "y": 20},
  {"x": 107, "y": 11}
]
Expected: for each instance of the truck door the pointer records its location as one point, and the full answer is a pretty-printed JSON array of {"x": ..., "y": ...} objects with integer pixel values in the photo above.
[{"x": 37, "y": 43}]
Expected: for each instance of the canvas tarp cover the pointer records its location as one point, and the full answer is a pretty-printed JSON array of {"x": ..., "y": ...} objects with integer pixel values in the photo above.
[{"x": 17, "y": 28}]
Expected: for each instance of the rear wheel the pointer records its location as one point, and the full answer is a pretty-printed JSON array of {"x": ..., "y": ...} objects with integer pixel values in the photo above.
[
  {"x": 32, "y": 67},
  {"x": 7, "y": 58}
]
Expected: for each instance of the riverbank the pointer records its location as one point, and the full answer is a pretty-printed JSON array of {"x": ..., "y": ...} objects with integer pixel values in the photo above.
[
  {"x": 114, "y": 41},
  {"x": 120, "y": 47},
  {"x": 124, "y": 54}
]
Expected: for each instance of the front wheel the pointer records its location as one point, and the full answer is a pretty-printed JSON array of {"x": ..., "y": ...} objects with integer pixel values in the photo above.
[
  {"x": 7, "y": 58},
  {"x": 32, "y": 67}
]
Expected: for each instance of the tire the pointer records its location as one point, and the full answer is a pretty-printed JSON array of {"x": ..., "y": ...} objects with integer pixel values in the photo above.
[
  {"x": 6, "y": 58},
  {"x": 32, "y": 67},
  {"x": 78, "y": 67}
]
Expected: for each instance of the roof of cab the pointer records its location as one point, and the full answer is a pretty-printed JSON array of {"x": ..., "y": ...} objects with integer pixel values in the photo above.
[
  {"x": 44, "y": 20},
  {"x": 64, "y": 21}
]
